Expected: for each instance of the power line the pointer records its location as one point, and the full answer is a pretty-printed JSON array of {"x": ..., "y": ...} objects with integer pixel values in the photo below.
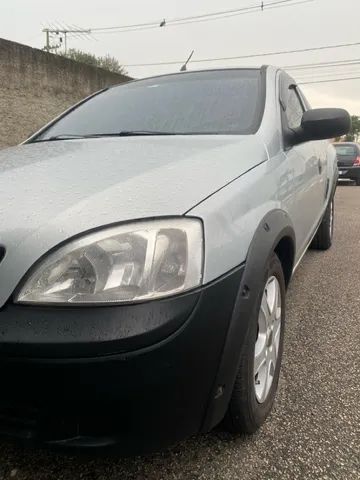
[
  {"x": 81, "y": 35},
  {"x": 330, "y": 80},
  {"x": 325, "y": 76},
  {"x": 272, "y": 6},
  {"x": 340, "y": 63},
  {"x": 329, "y": 70},
  {"x": 254, "y": 55},
  {"x": 178, "y": 19},
  {"x": 332, "y": 71},
  {"x": 198, "y": 18},
  {"x": 155, "y": 23}
]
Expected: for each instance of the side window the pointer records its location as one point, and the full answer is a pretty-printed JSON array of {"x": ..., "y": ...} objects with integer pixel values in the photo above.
[{"x": 294, "y": 110}]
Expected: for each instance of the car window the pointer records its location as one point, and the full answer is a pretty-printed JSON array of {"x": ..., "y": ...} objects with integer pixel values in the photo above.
[
  {"x": 349, "y": 150},
  {"x": 294, "y": 110},
  {"x": 212, "y": 102}
]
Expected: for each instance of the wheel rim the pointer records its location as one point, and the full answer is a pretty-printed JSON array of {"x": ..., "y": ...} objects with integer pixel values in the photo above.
[
  {"x": 268, "y": 339},
  {"x": 331, "y": 221}
]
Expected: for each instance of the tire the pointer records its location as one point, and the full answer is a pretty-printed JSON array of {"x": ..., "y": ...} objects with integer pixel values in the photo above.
[
  {"x": 324, "y": 235},
  {"x": 357, "y": 181},
  {"x": 248, "y": 409}
]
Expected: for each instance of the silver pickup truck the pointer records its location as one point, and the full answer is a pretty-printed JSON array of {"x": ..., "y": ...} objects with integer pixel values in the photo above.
[{"x": 147, "y": 239}]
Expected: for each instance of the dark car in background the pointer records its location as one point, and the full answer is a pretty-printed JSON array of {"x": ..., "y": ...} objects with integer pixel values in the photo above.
[{"x": 348, "y": 160}]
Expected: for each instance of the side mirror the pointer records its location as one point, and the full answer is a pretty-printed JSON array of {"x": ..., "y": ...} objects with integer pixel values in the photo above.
[{"x": 322, "y": 123}]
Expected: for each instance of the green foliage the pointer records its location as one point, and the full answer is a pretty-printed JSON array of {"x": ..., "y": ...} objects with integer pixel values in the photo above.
[
  {"x": 107, "y": 62},
  {"x": 353, "y": 135}
]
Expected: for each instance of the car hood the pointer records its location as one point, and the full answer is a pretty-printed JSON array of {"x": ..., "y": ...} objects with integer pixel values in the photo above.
[{"x": 52, "y": 191}]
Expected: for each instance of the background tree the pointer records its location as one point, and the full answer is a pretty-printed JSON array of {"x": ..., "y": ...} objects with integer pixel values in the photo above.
[
  {"x": 107, "y": 62},
  {"x": 353, "y": 135}
]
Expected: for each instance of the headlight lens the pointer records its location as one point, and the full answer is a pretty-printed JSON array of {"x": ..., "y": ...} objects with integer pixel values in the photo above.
[{"x": 137, "y": 261}]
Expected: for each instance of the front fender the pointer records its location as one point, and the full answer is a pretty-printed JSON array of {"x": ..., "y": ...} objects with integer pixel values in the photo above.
[{"x": 274, "y": 226}]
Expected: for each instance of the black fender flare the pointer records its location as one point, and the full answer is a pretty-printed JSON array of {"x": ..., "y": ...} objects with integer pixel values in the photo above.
[
  {"x": 274, "y": 226},
  {"x": 334, "y": 184}
]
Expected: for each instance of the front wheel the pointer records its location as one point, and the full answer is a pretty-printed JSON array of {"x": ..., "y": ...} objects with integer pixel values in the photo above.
[
  {"x": 324, "y": 235},
  {"x": 257, "y": 378}
]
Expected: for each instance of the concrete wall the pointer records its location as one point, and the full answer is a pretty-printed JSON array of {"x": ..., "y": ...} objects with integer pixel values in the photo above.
[{"x": 35, "y": 86}]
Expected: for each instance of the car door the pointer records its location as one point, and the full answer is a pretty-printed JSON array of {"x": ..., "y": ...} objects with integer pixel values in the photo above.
[
  {"x": 321, "y": 152},
  {"x": 307, "y": 165}
]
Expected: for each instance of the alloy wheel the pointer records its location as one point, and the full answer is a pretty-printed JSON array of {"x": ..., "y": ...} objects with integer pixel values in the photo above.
[{"x": 268, "y": 339}]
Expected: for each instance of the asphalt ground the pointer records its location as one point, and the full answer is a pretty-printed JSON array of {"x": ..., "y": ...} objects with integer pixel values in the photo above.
[{"x": 314, "y": 430}]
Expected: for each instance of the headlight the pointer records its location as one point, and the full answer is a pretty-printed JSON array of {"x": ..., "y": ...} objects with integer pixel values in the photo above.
[{"x": 136, "y": 261}]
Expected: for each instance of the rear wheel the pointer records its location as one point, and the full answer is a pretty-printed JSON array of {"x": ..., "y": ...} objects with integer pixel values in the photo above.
[
  {"x": 324, "y": 235},
  {"x": 257, "y": 378}
]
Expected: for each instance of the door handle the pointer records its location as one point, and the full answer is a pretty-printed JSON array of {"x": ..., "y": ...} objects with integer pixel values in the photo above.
[{"x": 320, "y": 166}]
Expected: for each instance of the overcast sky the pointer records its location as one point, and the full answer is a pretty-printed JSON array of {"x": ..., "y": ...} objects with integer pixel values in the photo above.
[{"x": 312, "y": 24}]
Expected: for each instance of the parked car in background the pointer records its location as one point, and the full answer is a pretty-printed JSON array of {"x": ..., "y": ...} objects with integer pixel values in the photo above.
[
  {"x": 348, "y": 160},
  {"x": 148, "y": 237}
]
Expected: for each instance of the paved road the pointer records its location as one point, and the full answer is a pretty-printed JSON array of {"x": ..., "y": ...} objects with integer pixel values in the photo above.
[{"x": 314, "y": 432}]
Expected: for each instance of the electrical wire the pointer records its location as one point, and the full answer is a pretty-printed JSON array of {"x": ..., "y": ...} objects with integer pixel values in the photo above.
[
  {"x": 254, "y": 55},
  {"x": 320, "y": 76},
  {"x": 331, "y": 71},
  {"x": 198, "y": 18},
  {"x": 330, "y": 80},
  {"x": 306, "y": 66},
  {"x": 270, "y": 7},
  {"x": 189, "y": 18},
  {"x": 341, "y": 63}
]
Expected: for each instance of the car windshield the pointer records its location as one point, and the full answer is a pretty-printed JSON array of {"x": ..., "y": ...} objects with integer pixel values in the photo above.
[
  {"x": 212, "y": 102},
  {"x": 349, "y": 150}
]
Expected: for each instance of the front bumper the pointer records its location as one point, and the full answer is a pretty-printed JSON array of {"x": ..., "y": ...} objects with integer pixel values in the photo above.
[{"x": 141, "y": 376}]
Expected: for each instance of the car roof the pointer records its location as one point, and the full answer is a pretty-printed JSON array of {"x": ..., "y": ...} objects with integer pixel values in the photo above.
[{"x": 261, "y": 68}]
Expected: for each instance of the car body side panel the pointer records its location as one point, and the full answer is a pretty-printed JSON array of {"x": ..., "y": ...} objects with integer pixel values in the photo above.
[
  {"x": 232, "y": 215},
  {"x": 296, "y": 173},
  {"x": 304, "y": 201},
  {"x": 288, "y": 181},
  {"x": 304, "y": 185},
  {"x": 306, "y": 182}
]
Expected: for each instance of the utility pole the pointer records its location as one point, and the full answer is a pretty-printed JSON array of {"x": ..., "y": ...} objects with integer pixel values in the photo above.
[
  {"x": 47, "y": 40},
  {"x": 48, "y": 31}
]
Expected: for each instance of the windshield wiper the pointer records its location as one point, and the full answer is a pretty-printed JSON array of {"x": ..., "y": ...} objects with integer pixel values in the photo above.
[
  {"x": 122, "y": 133},
  {"x": 134, "y": 133},
  {"x": 64, "y": 136}
]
